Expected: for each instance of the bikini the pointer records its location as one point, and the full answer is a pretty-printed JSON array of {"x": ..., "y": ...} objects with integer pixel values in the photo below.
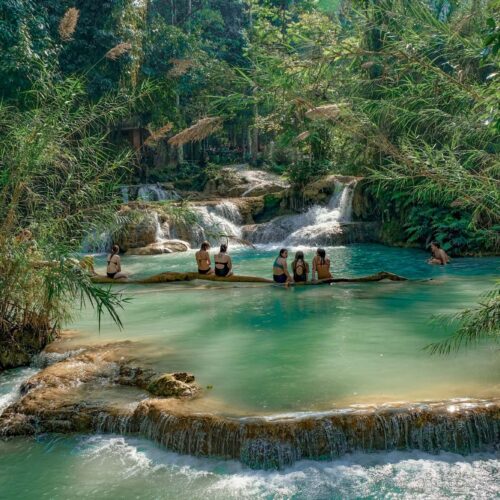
[
  {"x": 300, "y": 277},
  {"x": 222, "y": 272},
  {"x": 110, "y": 261},
  {"x": 279, "y": 278},
  {"x": 204, "y": 271},
  {"x": 323, "y": 271}
]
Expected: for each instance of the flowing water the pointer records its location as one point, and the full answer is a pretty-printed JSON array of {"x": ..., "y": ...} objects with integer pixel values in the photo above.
[
  {"x": 113, "y": 467},
  {"x": 264, "y": 351}
]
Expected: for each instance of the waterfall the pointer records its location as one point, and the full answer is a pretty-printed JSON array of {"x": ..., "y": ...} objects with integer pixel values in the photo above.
[
  {"x": 319, "y": 225},
  {"x": 97, "y": 242},
  {"x": 259, "y": 442},
  {"x": 154, "y": 192},
  {"x": 159, "y": 233},
  {"x": 216, "y": 222},
  {"x": 125, "y": 195}
]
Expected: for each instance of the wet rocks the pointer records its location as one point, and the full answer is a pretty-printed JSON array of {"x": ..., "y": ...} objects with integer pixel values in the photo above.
[
  {"x": 68, "y": 396},
  {"x": 161, "y": 247},
  {"x": 142, "y": 229},
  {"x": 240, "y": 181},
  {"x": 178, "y": 385}
]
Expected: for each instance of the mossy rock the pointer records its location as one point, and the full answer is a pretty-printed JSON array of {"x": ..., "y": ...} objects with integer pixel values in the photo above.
[{"x": 173, "y": 385}]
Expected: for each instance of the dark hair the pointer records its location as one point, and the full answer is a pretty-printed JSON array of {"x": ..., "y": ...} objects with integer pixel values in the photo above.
[
  {"x": 322, "y": 254},
  {"x": 205, "y": 245},
  {"x": 436, "y": 244},
  {"x": 223, "y": 248},
  {"x": 115, "y": 250},
  {"x": 282, "y": 251},
  {"x": 298, "y": 256}
]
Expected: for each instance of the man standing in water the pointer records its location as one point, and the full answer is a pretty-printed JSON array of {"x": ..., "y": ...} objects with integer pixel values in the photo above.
[
  {"x": 203, "y": 259},
  {"x": 439, "y": 256}
]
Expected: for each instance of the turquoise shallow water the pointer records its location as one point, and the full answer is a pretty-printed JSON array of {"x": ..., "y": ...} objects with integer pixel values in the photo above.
[
  {"x": 112, "y": 467},
  {"x": 267, "y": 349}
]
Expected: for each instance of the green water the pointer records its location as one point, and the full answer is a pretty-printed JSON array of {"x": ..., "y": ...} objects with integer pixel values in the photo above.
[
  {"x": 110, "y": 467},
  {"x": 264, "y": 350},
  {"x": 267, "y": 349}
]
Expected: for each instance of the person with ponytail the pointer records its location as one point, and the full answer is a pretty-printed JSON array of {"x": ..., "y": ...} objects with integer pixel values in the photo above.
[
  {"x": 223, "y": 263},
  {"x": 321, "y": 265},
  {"x": 300, "y": 268},
  {"x": 114, "y": 267}
]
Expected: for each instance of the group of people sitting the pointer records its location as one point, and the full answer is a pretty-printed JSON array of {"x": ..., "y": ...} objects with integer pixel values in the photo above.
[
  {"x": 300, "y": 268},
  {"x": 223, "y": 265}
]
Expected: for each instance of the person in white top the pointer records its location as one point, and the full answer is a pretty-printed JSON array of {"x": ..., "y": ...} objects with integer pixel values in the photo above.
[{"x": 114, "y": 268}]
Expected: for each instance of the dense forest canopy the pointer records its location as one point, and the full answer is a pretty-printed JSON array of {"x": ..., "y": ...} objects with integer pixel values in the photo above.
[{"x": 403, "y": 93}]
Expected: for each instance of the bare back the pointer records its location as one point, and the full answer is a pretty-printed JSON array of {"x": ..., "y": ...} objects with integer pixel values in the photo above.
[{"x": 203, "y": 260}]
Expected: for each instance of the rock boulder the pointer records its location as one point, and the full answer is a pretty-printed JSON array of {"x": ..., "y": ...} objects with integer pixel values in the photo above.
[{"x": 161, "y": 247}]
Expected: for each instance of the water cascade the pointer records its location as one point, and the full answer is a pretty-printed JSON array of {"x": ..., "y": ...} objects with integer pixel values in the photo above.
[
  {"x": 125, "y": 194},
  {"x": 216, "y": 223},
  {"x": 154, "y": 192},
  {"x": 279, "y": 441},
  {"x": 97, "y": 242},
  {"x": 319, "y": 225}
]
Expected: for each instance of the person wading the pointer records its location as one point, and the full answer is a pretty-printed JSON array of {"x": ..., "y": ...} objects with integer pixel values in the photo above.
[
  {"x": 300, "y": 268},
  {"x": 439, "y": 256},
  {"x": 223, "y": 263}
]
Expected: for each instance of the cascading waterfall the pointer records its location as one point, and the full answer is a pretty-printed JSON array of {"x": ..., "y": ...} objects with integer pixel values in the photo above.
[
  {"x": 217, "y": 222},
  {"x": 97, "y": 242},
  {"x": 154, "y": 192},
  {"x": 125, "y": 194},
  {"x": 317, "y": 226},
  {"x": 260, "y": 442}
]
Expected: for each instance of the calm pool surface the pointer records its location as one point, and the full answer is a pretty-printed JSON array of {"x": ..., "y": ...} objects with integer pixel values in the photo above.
[{"x": 266, "y": 349}]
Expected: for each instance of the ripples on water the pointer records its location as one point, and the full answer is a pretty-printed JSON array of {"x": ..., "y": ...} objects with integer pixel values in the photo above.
[
  {"x": 350, "y": 341},
  {"x": 109, "y": 467}
]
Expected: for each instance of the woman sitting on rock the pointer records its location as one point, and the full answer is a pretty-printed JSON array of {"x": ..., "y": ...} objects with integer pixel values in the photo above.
[
  {"x": 114, "y": 268},
  {"x": 321, "y": 265},
  {"x": 223, "y": 263},
  {"x": 280, "y": 270},
  {"x": 300, "y": 268},
  {"x": 203, "y": 259}
]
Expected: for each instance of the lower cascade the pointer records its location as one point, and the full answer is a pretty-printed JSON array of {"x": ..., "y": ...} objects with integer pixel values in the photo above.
[{"x": 261, "y": 442}]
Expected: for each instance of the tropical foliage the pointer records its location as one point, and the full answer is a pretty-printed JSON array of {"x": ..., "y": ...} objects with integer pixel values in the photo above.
[
  {"x": 58, "y": 178},
  {"x": 403, "y": 93}
]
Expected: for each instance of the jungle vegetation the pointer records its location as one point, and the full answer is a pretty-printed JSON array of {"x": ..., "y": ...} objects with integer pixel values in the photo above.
[{"x": 404, "y": 93}]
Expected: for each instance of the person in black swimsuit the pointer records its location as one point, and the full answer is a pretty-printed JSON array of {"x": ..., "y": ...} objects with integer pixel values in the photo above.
[
  {"x": 223, "y": 263},
  {"x": 300, "y": 268}
]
